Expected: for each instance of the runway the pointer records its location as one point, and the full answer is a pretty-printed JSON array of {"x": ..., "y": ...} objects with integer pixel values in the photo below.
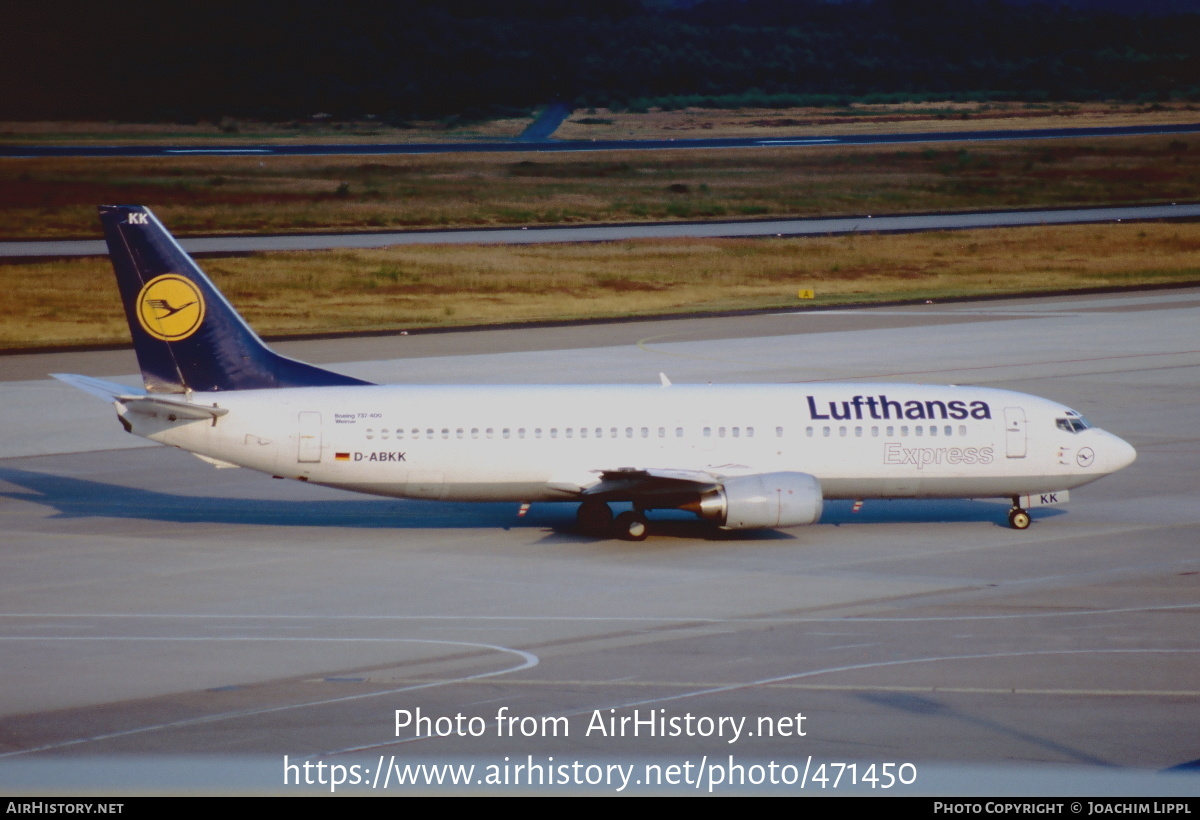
[
  {"x": 169, "y": 627},
  {"x": 525, "y": 144},
  {"x": 820, "y": 226}
]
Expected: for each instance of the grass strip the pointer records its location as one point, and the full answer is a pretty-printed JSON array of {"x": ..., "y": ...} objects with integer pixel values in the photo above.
[{"x": 72, "y": 302}]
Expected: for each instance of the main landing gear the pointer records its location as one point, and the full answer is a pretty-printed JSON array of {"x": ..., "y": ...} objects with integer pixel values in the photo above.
[
  {"x": 631, "y": 526},
  {"x": 596, "y": 518},
  {"x": 1018, "y": 519}
]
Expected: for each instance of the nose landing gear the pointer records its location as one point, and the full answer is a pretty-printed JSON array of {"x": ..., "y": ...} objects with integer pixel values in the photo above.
[{"x": 1018, "y": 518}]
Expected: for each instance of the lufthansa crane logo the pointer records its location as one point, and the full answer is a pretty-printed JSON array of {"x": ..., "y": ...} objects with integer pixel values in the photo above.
[{"x": 170, "y": 307}]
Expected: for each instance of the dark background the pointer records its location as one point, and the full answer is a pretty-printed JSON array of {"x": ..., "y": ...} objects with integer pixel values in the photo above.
[{"x": 285, "y": 59}]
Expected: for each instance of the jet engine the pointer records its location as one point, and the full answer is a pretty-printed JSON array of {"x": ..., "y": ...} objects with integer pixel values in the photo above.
[{"x": 762, "y": 501}]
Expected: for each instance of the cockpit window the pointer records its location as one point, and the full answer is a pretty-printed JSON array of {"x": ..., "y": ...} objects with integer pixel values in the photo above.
[{"x": 1073, "y": 423}]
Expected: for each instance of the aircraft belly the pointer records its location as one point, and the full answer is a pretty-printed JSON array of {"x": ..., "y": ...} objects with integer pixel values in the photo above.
[
  {"x": 458, "y": 491},
  {"x": 994, "y": 486}
]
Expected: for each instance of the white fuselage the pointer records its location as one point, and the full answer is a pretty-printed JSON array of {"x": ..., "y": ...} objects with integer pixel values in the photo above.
[{"x": 529, "y": 443}]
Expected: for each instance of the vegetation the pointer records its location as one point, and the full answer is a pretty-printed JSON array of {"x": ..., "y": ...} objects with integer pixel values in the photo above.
[
  {"x": 57, "y": 197},
  {"x": 427, "y": 286}
]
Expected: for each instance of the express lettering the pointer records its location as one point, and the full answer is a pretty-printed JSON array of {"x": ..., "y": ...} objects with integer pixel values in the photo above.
[{"x": 894, "y": 453}]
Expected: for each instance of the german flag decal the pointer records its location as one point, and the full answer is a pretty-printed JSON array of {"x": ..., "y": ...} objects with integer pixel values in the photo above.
[{"x": 341, "y": 456}]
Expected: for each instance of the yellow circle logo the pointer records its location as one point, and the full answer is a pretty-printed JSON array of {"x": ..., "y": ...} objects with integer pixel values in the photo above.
[{"x": 170, "y": 307}]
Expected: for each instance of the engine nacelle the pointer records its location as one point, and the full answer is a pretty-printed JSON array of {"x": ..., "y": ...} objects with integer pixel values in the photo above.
[{"x": 762, "y": 501}]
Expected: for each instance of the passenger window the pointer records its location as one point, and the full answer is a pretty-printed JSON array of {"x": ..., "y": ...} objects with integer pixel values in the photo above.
[
  {"x": 474, "y": 432},
  {"x": 962, "y": 429},
  {"x": 553, "y": 432},
  {"x": 458, "y": 433},
  {"x": 749, "y": 432},
  {"x": 904, "y": 429},
  {"x": 891, "y": 431},
  {"x": 429, "y": 433},
  {"x": 678, "y": 432},
  {"x": 858, "y": 432},
  {"x": 933, "y": 429},
  {"x": 370, "y": 434},
  {"x": 520, "y": 432},
  {"x": 505, "y": 433},
  {"x": 628, "y": 432},
  {"x": 645, "y": 432},
  {"x": 949, "y": 430},
  {"x": 708, "y": 432},
  {"x": 489, "y": 432},
  {"x": 920, "y": 429},
  {"x": 842, "y": 432},
  {"x": 721, "y": 432},
  {"x": 778, "y": 432},
  {"x": 808, "y": 431},
  {"x": 735, "y": 431},
  {"x": 825, "y": 431},
  {"x": 383, "y": 434},
  {"x": 875, "y": 432}
]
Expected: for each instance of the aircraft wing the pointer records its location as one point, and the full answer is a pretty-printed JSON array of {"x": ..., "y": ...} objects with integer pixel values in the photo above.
[{"x": 629, "y": 483}]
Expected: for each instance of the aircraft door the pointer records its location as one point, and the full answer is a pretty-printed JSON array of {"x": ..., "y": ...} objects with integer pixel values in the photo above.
[
  {"x": 308, "y": 447},
  {"x": 1014, "y": 426}
]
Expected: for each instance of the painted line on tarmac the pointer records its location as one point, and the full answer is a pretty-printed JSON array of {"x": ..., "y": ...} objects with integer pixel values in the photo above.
[
  {"x": 528, "y": 661},
  {"x": 200, "y": 616}
]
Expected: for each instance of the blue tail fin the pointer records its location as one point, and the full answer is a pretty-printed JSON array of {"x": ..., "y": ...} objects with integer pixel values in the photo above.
[{"x": 187, "y": 337}]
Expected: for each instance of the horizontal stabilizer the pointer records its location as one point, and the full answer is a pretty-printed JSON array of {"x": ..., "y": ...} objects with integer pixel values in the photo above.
[
  {"x": 136, "y": 400},
  {"x": 109, "y": 391},
  {"x": 157, "y": 406}
]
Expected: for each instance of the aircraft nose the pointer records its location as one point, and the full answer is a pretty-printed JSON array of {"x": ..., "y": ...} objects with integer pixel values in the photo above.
[{"x": 1121, "y": 453}]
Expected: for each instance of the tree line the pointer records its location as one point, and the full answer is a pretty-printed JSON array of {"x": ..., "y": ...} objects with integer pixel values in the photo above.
[{"x": 286, "y": 59}]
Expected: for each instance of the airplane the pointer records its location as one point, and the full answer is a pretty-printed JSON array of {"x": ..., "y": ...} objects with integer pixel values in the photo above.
[{"x": 739, "y": 456}]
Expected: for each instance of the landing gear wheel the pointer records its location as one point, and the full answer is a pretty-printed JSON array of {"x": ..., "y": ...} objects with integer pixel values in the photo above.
[
  {"x": 631, "y": 526},
  {"x": 1018, "y": 519},
  {"x": 594, "y": 517}
]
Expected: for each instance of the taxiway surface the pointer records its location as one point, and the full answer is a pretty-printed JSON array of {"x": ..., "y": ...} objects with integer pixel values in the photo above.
[
  {"x": 832, "y": 226},
  {"x": 170, "y": 627}
]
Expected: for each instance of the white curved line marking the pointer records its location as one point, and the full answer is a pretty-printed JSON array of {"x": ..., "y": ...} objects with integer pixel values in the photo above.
[{"x": 528, "y": 661}]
